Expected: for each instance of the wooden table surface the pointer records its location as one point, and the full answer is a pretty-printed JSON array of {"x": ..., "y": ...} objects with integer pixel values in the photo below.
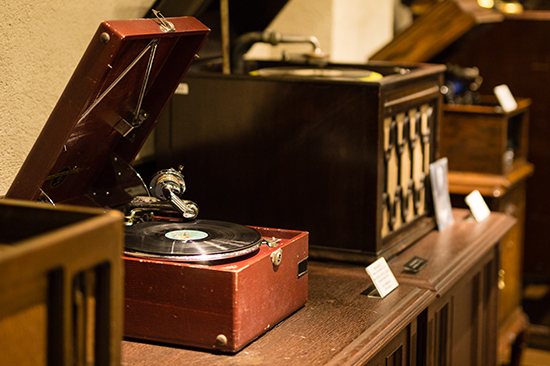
[
  {"x": 340, "y": 324},
  {"x": 450, "y": 253}
]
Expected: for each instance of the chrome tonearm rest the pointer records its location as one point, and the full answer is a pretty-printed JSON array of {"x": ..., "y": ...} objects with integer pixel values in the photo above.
[{"x": 168, "y": 184}]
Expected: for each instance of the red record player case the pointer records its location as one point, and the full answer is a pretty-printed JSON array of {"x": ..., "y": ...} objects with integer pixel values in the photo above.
[
  {"x": 110, "y": 105},
  {"x": 219, "y": 306}
]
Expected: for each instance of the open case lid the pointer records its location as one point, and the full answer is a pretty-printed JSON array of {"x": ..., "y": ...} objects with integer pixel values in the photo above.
[{"x": 126, "y": 77}]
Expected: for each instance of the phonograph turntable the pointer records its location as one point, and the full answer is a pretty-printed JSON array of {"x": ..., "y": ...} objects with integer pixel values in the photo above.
[{"x": 189, "y": 281}]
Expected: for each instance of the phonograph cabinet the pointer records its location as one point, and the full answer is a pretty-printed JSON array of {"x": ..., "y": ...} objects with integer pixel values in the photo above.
[{"x": 343, "y": 158}]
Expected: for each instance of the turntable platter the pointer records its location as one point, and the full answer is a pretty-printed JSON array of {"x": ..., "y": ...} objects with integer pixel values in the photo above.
[
  {"x": 327, "y": 73},
  {"x": 196, "y": 241}
]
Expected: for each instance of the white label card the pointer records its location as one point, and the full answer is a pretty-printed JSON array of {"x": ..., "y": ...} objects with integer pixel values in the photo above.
[
  {"x": 477, "y": 205},
  {"x": 505, "y": 98},
  {"x": 382, "y": 277},
  {"x": 182, "y": 89}
]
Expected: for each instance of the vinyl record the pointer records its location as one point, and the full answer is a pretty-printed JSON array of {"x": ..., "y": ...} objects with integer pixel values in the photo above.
[
  {"x": 198, "y": 240},
  {"x": 326, "y": 73}
]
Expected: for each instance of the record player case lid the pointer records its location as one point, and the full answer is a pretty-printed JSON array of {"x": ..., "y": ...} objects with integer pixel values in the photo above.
[{"x": 124, "y": 80}]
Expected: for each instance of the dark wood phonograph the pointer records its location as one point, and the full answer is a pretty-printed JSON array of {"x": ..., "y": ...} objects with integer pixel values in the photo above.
[
  {"x": 338, "y": 152},
  {"x": 188, "y": 280}
]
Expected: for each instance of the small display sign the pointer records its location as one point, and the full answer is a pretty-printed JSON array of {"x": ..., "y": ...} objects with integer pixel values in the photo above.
[
  {"x": 382, "y": 277},
  {"x": 505, "y": 98},
  {"x": 477, "y": 205},
  {"x": 414, "y": 265}
]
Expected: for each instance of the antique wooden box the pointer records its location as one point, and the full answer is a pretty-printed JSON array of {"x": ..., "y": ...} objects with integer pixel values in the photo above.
[
  {"x": 220, "y": 306},
  {"x": 61, "y": 285},
  {"x": 344, "y": 158},
  {"x": 485, "y": 139}
]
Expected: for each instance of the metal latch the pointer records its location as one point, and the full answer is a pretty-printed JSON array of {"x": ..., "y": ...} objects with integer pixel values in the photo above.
[{"x": 277, "y": 257}]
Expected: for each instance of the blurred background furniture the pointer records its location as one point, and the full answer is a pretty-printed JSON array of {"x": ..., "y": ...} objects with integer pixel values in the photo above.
[{"x": 512, "y": 50}]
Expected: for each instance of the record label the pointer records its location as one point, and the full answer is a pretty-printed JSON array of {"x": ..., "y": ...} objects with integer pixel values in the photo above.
[{"x": 186, "y": 235}]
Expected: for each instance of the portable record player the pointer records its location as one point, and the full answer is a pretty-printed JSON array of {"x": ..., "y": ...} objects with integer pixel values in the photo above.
[{"x": 189, "y": 281}]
